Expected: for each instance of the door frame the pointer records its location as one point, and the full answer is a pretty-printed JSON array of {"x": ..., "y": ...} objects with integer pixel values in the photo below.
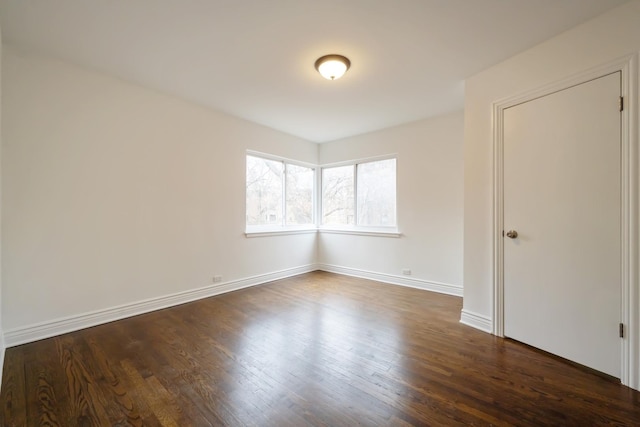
[{"x": 630, "y": 194}]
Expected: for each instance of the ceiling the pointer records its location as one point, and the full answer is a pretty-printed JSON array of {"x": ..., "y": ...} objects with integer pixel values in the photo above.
[{"x": 254, "y": 58}]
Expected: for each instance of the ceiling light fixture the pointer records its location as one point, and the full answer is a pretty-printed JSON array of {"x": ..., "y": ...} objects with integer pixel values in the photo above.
[{"x": 332, "y": 67}]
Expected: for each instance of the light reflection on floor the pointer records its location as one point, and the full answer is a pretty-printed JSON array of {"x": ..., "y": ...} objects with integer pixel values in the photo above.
[{"x": 301, "y": 352}]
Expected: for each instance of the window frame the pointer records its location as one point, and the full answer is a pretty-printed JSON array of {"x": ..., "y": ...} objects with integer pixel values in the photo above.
[
  {"x": 283, "y": 227},
  {"x": 356, "y": 229}
]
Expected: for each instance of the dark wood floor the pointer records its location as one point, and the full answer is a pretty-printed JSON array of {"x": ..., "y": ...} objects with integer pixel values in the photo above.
[{"x": 314, "y": 350}]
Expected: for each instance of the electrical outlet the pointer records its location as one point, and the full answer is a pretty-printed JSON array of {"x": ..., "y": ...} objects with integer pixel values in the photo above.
[
  {"x": 217, "y": 279},
  {"x": 406, "y": 271}
]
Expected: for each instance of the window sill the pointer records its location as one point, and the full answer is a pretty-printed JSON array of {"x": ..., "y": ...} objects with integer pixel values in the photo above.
[
  {"x": 359, "y": 232},
  {"x": 350, "y": 231},
  {"x": 279, "y": 232}
]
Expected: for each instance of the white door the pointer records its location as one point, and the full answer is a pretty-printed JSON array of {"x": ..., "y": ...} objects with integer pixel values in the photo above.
[{"x": 562, "y": 280}]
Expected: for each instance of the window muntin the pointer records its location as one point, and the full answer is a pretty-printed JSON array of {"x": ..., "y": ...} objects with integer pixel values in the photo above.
[
  {"x": 278, "y": 194},
  {"x": 360, "y": 195}
]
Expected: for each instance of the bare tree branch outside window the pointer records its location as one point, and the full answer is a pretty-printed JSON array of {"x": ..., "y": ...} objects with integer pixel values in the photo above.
[
  {"x": 377, "y": 193},
  {"x": 279, "y": 193},
  {"x": 337, "y": 196},
  {"x": 372, "y": 195},
  {"x": 299, "y": 194},
  {"x": 266, "y": 188}
]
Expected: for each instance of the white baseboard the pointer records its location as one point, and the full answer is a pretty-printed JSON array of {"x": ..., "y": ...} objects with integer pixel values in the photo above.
[
  {"x": 73, "y": 323},
  {"x": 476, "y": 320},
  {"x": 64, "y": 325},
  {"x": 410, "y": 282}
]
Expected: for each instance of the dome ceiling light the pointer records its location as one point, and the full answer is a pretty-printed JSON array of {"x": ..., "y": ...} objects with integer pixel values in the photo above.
[{"x": 332, "y": 67}]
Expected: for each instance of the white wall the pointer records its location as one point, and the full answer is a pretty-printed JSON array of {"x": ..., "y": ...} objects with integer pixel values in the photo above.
[
  {"x": 429, "y": 182},
  {"x": 603, "y": 39},
  {"x": 112, "y": 194}
]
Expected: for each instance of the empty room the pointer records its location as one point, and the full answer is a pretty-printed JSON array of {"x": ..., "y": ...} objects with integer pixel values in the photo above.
[{"x": 319, "y": 213}]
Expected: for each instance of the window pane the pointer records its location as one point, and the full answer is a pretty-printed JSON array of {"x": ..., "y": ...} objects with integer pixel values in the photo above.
[
  {"x": 299, "y": 189},
  {"x": 337, "y": 196},
  {"x": 377, "y": 193},
  {"x": 264, "y": 191}
]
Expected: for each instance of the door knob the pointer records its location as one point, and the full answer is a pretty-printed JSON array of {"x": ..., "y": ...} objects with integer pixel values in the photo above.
[{"x": 512, "y": 234}]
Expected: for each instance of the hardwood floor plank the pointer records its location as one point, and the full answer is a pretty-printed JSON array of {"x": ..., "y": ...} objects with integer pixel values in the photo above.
[
  {"x": 87, "y": 402},
  {"x": 313, "y": 350},
  {"x": 123, "y": 408},
  {"x": 13, "y": 396},
  {"x": 154, "y": 364},
  {"x": 207, "y": 392},
  {"x": 45, "y": 383},
  {"x": 154, "y": 396}
]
